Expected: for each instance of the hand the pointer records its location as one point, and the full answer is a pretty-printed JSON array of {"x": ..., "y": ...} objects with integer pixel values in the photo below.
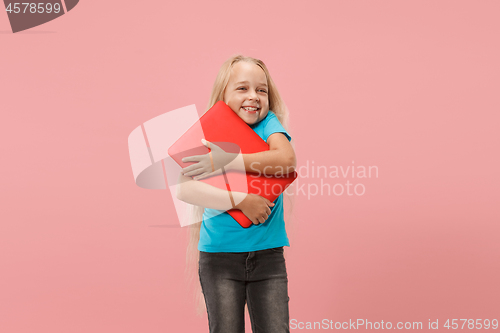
[
  {"x": 203, "y": 168},
  {"x": 256, "y": 208}
]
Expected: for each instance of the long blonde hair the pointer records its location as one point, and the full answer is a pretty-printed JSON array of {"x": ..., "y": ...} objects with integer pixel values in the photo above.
[{"x": 195, "y": 214}]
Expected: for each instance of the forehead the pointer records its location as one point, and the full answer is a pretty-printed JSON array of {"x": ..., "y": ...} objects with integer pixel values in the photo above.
[{"x": 247, "y": 71}]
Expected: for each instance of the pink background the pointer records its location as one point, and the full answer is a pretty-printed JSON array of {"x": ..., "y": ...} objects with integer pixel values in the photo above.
[{"x": 409, "y": 86}]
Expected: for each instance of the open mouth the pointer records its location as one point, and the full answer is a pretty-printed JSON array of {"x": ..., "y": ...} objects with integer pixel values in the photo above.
[{"x": 250, "y": 109}]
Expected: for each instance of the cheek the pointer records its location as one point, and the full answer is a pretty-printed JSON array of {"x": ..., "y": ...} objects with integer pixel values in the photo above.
[
  {"x": 236, "y": 103},
  {"x": 267, "y": 103},
  {"x": 229, "y": 100},
  {"x": 233, "y": 104}
]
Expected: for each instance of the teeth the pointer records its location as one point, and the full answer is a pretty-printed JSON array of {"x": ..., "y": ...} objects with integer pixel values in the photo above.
[{"x": 250, "y": 108}]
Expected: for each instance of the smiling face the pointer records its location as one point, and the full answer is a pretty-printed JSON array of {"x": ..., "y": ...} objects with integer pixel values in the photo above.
[{"x": 246, "y": 92}]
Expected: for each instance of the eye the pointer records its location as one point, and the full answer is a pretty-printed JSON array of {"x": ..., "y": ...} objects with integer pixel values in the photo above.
[
  {"x": 263, "y": 90},
  {"x": 241, "y": 88}
]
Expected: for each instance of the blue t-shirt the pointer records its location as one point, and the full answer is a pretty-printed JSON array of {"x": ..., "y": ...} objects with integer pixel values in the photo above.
[{"x": 221, "y": 233}]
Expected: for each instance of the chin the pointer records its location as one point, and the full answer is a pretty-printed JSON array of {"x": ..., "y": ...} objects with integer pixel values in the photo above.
[{"x": 247, "y": 119}]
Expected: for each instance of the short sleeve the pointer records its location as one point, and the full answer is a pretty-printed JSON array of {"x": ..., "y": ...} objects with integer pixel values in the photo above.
[{"x": 273, "y": 125}]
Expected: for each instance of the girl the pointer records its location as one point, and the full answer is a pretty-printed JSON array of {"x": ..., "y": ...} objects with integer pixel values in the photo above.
[{"x": 242, "y": 265}]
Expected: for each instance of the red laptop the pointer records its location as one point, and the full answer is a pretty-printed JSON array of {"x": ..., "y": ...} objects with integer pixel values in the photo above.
[{"x": 224, "y": 128}]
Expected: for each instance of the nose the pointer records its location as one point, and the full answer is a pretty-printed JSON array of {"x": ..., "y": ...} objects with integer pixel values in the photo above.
[{"x": 253, "y": 95}]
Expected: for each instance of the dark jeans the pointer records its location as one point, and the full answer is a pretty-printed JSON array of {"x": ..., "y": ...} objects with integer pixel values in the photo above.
[{"x": 259, "y": 278}]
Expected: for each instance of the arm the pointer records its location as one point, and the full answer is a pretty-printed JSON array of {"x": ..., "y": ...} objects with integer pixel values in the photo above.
[
  {"x": 278, "y": 160},
  {"x": 205, "y": 195},
  {"x": 255, "y": 207}
]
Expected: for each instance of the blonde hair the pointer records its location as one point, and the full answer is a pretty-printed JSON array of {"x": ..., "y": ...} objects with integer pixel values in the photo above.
[{"x": 195, "y": 214}]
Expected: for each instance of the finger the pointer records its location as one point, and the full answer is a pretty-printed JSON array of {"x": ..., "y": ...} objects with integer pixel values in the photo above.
[
  {"x": 203, "y": 175},
  {"x": 192, "y": 167},
  {"x": 194, "y": 158},
  {"x": 209, "y": 144},
  {"x": 268, "y": 211},
  {"x": 255, "y": 221},
  {"x": 194, "y": 172},
  {"x": 268, "y": 202}
]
